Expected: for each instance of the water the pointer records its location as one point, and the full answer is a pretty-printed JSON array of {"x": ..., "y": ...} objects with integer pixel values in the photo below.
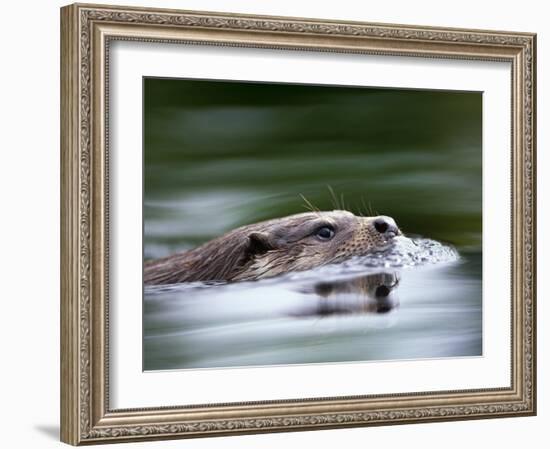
[
  {"x": 376, "y": 307},
  {"x": 219, "y": 155}
]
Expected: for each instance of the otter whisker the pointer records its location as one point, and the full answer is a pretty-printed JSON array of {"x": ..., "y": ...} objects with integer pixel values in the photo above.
[
  {"x": 335, "y": 203},
  {"x": 368, "y": 208},
  {"x": 309, "y": 205}
]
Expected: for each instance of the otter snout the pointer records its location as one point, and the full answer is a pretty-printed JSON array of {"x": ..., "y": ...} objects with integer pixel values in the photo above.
[{"x": 386, "y": 226}]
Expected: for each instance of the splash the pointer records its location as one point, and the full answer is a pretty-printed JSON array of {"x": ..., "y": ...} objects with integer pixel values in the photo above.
[
  {"x": 402, "y": 254},
  {"x": 406, "y": 252}
]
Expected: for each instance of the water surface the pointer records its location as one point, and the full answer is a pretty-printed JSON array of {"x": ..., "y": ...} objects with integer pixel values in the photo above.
[{"x": 398, "y": 304}]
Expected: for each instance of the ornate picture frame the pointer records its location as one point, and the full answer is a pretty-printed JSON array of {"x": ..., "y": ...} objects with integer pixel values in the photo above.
[{"x": 87, "y": 32}]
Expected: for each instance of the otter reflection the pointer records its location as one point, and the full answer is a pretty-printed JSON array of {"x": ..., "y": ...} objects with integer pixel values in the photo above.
[{"x": 372, "y": 293}]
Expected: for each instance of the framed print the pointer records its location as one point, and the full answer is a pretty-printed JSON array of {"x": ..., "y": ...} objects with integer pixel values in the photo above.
[{"x": 281, "y": 224}]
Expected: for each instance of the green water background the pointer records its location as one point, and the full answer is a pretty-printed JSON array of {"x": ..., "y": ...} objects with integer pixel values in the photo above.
[{"x": 222, "y": 154}]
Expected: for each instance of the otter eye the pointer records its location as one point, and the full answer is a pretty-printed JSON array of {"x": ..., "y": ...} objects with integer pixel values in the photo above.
[{"x": 325, "y": 233}]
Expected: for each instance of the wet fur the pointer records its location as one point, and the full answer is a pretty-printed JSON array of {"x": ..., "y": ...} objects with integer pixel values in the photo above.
[{"x": 269, "y": 248}]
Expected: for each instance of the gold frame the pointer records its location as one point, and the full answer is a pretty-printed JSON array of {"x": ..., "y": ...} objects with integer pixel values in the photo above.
[{"x": 86, "y": 31}]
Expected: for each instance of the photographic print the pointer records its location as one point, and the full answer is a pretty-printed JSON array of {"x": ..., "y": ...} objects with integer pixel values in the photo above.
[
  {"x": 266, "y": 221},
  {"x": 297, "y": 224}
]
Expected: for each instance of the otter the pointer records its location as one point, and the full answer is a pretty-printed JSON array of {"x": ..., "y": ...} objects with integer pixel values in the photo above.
[{"x": 270, "y": 248}]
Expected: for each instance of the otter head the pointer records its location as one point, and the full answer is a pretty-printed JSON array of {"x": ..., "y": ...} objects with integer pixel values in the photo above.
[
  {"x": 304, "y": 241},
  {"x": 293, "y": 243}
]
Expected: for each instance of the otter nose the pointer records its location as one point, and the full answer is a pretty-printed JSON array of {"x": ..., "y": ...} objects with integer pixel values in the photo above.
[{"x": 386, "y": 225}]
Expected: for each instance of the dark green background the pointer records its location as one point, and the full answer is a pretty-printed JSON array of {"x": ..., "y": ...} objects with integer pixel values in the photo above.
[{"x": 222, "y": 154}]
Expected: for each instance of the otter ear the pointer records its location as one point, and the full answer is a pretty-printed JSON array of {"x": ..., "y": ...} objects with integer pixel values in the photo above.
[{"x": 259, "y": 243}]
